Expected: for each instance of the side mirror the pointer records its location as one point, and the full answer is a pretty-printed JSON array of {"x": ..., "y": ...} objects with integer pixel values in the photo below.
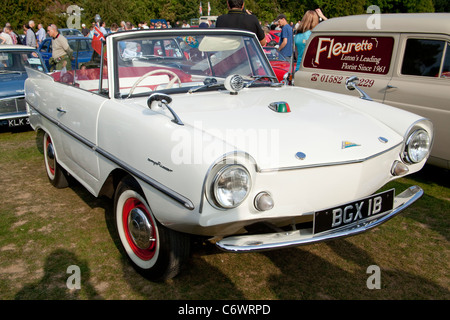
[
  {"x": 161, "y": 97},
  {"x": 350, "y": 84},
  {"x": 164, "y": 99}
]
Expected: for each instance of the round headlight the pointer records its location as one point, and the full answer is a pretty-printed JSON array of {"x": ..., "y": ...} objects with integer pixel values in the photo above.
[
  {"x": 231, "y": 186},
  {"x": 417, "y": 146}
]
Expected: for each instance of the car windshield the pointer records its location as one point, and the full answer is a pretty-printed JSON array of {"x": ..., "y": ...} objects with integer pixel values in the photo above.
[
  {"x": 80, "y": 45},
  {"x": 185, "y": 62},
  {"x": 274, "y": 55},
  {"x": 16, "y": 61}
]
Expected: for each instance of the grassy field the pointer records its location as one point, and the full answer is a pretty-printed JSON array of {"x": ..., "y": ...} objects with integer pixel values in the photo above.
[{"x": 44, "y": 230}]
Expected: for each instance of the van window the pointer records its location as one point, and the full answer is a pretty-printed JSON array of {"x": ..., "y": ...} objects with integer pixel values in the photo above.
[{"x": 423, "y": 57}]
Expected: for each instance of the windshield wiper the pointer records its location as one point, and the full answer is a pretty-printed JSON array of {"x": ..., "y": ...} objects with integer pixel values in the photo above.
[
  {"x": 256, "y": 78},
  {"x": 207, "y": 83},
  {"x": 149, "y": 56}
]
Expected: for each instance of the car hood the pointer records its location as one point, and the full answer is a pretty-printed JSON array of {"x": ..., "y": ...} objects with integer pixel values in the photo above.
[
  {"x": 12, "y": 84},
  {"x": 316, "y": 131}
]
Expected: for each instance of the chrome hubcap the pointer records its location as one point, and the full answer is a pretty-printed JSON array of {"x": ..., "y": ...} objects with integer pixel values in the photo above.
[{"x": 140, "y": 229}]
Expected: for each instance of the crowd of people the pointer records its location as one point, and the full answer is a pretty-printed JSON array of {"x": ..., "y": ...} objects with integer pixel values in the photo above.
[
  {"x": 290, "y": 34},
  {"x": 291, "y": 43},
  {"x": 30, "y": 36}
]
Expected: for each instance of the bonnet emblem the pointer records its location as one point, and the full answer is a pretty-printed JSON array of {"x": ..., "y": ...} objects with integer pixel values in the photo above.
[
  {"x": 300, "y": 156},
  {"x": 280, "y": 107},
  {"x": 348, "y": 144}
]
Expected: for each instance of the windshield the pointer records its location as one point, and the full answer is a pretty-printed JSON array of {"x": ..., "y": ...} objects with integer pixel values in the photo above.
[
  {"x": 182, "y": 63},
  {"x": 274, "y": 55},
  {"x": 16, "y": 61}
]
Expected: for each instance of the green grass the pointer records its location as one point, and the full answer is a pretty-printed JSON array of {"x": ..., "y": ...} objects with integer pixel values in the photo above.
[{"x": 44, "y": 230}]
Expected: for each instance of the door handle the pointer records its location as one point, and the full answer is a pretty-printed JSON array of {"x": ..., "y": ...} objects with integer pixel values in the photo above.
[
  {"x": 391, "y": 86},
  {"x": 60, "y": 109}
]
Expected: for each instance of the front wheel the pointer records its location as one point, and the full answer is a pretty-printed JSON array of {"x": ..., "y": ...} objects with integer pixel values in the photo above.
[{"x": 155, "y": 251}]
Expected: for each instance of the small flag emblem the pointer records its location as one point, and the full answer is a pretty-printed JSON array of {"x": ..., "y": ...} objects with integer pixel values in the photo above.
[
  {"x": 280, "y": 107},
  {"x": 348, "y": 144}
]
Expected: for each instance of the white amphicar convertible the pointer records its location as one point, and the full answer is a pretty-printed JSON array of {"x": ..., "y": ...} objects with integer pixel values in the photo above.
[{"x": 190, "y": 133}]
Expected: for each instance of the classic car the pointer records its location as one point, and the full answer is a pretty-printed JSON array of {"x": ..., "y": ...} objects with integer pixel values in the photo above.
[
  {"x": 402, "y": 60},
  {"x": 191, "y": 134},
  {"x": 67, "y": 32},
  {"x": 81, "y": 46},
  {"x": 275, "y": 34},
  {"x": 280, "y": 64},
  {"x": 13, "y": 60}
]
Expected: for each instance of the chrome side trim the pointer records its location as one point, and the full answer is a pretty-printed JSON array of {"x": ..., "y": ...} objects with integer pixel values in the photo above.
[
  {"x": 330, "y": 163},
  {"x": 261, "y": 242},
  {"x": 10, "y": 116},
  {"x": 140, "y": 175}
]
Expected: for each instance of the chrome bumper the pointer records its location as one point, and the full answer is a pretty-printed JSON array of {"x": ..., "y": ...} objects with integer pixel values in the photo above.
[{"x": 260, "y": 242}]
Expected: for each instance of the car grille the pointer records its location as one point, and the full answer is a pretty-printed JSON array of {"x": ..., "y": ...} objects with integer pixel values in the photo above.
[{"x": 14, "y": 105}]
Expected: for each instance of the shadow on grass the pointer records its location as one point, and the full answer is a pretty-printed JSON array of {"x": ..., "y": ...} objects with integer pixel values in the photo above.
[
  {"x": 307, "y": 276},
  {"x": 53, "y": 285},
  {"x": 429, "y": 210},
  {"x": 433, "y": 175},
  {"x": 18, "y": 129}
]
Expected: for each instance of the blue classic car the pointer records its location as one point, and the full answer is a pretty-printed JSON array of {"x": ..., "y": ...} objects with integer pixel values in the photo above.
[
  {"x": 81, "y": 46},
  {"x": 13, "y": 60}
]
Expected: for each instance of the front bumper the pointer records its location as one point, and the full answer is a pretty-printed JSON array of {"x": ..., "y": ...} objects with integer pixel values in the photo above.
[{"x": 260, "y": 242}]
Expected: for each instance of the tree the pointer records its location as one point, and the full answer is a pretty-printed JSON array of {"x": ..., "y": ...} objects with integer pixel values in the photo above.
[
  {"x": 441, "y": 5},
  {"x": 403, "y": 6},
  {"x": 19, "y": 12}
]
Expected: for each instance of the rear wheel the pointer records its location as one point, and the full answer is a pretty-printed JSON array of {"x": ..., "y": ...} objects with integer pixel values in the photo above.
[
  {"x": 56, "y": 175},
  {"x": 155, "y": 251}
]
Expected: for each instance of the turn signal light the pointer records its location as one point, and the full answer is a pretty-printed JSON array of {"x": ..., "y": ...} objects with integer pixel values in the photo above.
[
  {"x": 399, "y": 169},
  {"x": 263, "y": 201}
]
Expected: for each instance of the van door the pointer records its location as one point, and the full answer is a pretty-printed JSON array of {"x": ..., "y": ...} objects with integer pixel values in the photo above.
[{"x": 421, "y": 84}]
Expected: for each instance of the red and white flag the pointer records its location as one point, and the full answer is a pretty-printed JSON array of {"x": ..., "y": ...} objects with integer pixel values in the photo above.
[
  {"x": 97, "y": 40},
  {"x": 209, "y": 9},
  {"x": 200, "y": 10}
]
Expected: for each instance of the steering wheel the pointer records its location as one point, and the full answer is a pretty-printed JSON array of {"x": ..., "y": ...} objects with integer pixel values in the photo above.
[{"x": 150, "y": 73}]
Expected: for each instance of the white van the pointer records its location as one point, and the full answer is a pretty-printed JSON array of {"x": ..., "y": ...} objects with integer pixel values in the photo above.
[{"x": 403, "y": 62}]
